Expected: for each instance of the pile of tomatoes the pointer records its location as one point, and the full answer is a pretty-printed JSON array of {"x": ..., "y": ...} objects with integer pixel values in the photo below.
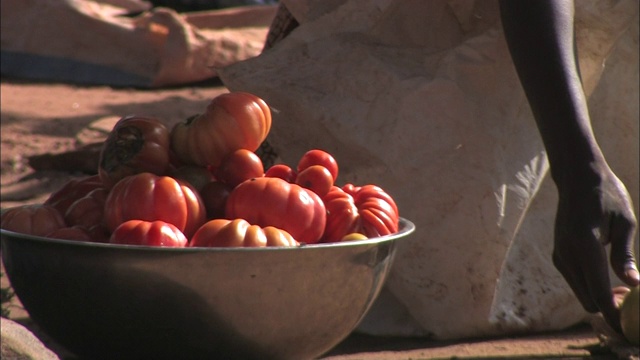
[{"x": 201, "y": 184}]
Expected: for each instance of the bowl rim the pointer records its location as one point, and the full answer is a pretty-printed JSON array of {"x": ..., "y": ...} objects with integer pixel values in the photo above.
[{"x": 405, "y": 228}]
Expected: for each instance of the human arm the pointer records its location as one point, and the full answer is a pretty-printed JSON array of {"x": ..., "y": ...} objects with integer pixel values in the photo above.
[{"x": 594, "y": 207}]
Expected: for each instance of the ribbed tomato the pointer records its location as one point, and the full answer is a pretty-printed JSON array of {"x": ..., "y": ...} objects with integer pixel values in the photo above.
[
  {"x": 148, "y": 233},
  {"x": 37, "y": 219},
  {"x": 342, "y": 215},
  {"x": 88, "y": 213},
  {"x": 77, "y": 233},
  {"x": 274, "y": 202},
  {"x": 239, "y": 233},
  {"x": 71, "y": 191},
  {"x": 368, "y": 210},
  {"x": 232, "y": 121},
  {"x": 378, "y": 211},
  {"x": 88, "y": 210},
  {"x": 150, "y": 197}
]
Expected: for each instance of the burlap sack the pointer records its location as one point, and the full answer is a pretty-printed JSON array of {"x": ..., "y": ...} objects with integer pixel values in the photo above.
[
  {"x": 421, "y": 98},
  {"x": 125, "y": 42}
]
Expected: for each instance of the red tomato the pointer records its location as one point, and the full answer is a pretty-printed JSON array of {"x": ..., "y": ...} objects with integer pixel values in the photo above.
[
  {"x": 239, "y": 166},
  {"x": 73, "y": 190},
  {"x": 235, "y": 120},
  {"x": 37, "y": 219},
  {"x": 368, "y": 210},
  {"x": 378, "y": 211},
  {"x": 148, "y": 233},
  {"x": 87, "y": 211},
  {"x": 351, "y": 189},
  {"x": 239, "y": 233},
  {"x": 150, "y": 197},
  {"x": 274, "y": 202},
  {"x": 214, "y": 196},
  {"x": 342, "y": 215},
  {"x": 77, "y": 233},
  {"x": 136, "y": 144},
  {"x": 282, "y": 171},
  {"x": 316, "y": 178},
  {"x": 319, "y": 157}
]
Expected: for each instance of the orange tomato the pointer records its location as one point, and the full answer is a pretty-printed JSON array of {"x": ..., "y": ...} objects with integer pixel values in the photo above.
[
  {"x": 232, "y": 121},
  {"x": 239, "y": 233},
  {"x": 37, "y": 219}
]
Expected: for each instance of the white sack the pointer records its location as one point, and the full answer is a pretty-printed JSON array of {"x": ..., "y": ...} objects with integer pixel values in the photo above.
[{"x": 421, "y": 98}]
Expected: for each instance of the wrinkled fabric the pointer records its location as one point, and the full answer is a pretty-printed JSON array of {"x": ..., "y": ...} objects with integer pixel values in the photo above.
[
  {"x": 125, "y": 42},
  {"x": 421, "y": 98}
]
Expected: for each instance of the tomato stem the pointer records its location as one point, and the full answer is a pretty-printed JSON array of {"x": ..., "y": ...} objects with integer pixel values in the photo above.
[{"x": 122, "y": 147}]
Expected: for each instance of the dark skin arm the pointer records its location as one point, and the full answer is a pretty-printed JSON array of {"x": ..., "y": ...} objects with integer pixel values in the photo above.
[{"x": 594, "y": 207}]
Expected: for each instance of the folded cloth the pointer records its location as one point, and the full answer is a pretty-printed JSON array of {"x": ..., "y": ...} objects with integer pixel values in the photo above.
[{"x": 125, "y": 42}]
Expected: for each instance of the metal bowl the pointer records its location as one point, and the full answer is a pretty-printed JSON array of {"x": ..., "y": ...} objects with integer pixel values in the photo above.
[{"x": 119, "y": 301}]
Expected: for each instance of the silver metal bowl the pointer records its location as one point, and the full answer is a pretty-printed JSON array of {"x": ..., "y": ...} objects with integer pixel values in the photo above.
[{"x": 119, "y": 301}]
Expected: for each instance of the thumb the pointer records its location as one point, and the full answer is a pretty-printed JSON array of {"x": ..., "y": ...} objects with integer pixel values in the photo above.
[{"x": 623, "y": 262}]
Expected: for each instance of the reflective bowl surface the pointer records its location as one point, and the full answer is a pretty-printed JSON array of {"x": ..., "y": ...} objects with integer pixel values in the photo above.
[{"x": 119, "y": 301}]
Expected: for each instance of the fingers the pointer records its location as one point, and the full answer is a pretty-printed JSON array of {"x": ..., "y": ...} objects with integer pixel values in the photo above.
[
  {"x": 585, "y": 225},
  {"x": 596, "y": 277},
  {"x": 611, "y": 315},
  {"x": 620, "y": 230},
  {"x": 621, "y": 237},
  {"x": 588, "y": 277},
  {"x": 576, "y": 283}
]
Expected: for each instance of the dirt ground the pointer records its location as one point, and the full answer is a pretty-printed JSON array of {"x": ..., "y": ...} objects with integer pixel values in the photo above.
[{"x": 56, "y": 118}]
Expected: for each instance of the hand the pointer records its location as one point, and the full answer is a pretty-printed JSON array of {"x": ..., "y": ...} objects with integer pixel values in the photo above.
[{"x": 587, "y": 220}]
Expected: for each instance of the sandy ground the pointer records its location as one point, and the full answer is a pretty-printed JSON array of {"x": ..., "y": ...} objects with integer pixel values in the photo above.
[{"x": 56, "y": 118}]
